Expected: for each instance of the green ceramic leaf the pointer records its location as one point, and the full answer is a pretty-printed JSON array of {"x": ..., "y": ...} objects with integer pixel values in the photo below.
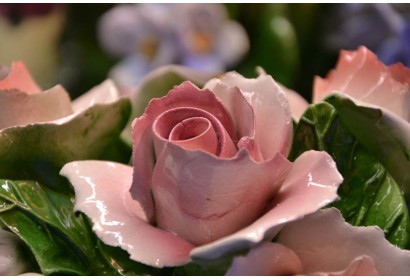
[
  {"x": 61, "y": 240},
  {"x": 38, "y": 151},
  {"x": 369, "y": 194},
  {"x": 47, "y": 224},
  {"x": 121, "y": 262},
  {"x": 157, "y": 84},
  {"x": 385, "y": 135},
  {"x": 53, "y": 254}
]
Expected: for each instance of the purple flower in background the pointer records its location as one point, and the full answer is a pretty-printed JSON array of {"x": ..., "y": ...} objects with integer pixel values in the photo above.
[
  {"x": 141, "y": 36},
  {"x": 146, "y": 36},
  {"x": 209, "y": 40},
  {"x": 383, "y": 28}
]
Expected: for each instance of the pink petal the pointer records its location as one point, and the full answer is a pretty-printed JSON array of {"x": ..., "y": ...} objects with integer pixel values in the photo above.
[
  {"x": 400, "y": 73},
  {"x": 297, "y": 103},
  {"x": 102, "y": 193},
  {"x": 202, "y": 198},
  {"x": 275, "y": 259},
  {"x": 104, "y": 93},
  {"x": 186, "y": 95},
  {"x": 311, "y": 184},
  {"x": 361, "y": 266},
  {"x": 19, "y": 78},
  {"x": 362, "y": 76},
  {"x": 267, "y": 259},
  {"x": 194, "y": 134},
  {"x": 165, "y": 124},
  {"x": 325, "y": 242},
  {"x": 273, "y": 121},
  {"x": 242, "y": 116},
  {"x": 20, "y": 108}
]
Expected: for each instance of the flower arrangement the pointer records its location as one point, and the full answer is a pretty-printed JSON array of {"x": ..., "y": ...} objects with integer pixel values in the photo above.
[{"x": 203, "y": 173}]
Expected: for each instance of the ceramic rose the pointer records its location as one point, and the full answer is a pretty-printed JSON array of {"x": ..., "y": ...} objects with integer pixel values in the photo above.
[
  {"x": 363, "y": 77},
  {"x": 209, "y": 175},
  {"x": 324, "y": 244},
  {"x": 23, "y": 102}
]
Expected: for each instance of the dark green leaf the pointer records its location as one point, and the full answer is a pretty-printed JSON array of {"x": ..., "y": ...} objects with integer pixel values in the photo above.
[
  {"x": 61, "y": 241},
  {"x": 384, "y": 135},
  {"x": 194, "y": 269},
  {"x": 369, "y": 195},
  {"x": 121, "y": 262},
  {"x": 53, "y": 254},
  {"x": 39, "y": 151}
]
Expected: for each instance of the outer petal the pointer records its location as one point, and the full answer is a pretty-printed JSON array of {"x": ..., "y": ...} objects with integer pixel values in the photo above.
[
  {"x": 276, "y": 259},
  {"x": 273, "y": 122},
  {"x": 10, "y": 262},
  {"x": 361, "y": 75},
  {"x": 265, "y": 260},
  {"x": 19, "y": 78},
  {"x": 361, "y": 266},
  {"x": 325, "y": 242},
  {"x": 297, "y": 103},
  {"x": 102, "y": 193},
  {"x": 185, "y": 95},
  {"x": 311, "y": 184},
  {"x": 202, "y": 198},
  {"x": 104, "y": 93},
  {"x": 20, "y": 108}
]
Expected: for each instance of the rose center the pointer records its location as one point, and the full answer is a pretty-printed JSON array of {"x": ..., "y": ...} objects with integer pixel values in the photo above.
[
  {"x": 195, "y": 133},
  {"x": 193, "y": 129}
]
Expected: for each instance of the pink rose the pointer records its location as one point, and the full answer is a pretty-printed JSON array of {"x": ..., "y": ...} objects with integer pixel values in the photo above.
[
  {"x": 324, "y": 244},
  {"x": 209, "y": 175},
  {"x": 360, "y": 75},
  {"x": 23, "y": 102}
]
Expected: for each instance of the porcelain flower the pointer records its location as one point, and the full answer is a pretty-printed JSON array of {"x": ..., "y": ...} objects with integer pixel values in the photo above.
[
  {"x": 23, "y": 102},
  {"x": 324, "y": 244},
  {"x": 360, "y": 75},
  {"x": 209, "y": 175}
]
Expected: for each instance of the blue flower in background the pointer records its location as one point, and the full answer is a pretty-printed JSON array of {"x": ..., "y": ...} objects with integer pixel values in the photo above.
[
  {"x": 383, "y": 28},
  {"x": 146, "y": 36}
]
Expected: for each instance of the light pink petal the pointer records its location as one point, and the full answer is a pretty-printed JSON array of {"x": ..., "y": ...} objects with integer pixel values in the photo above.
[
  {"x": 104, "y": 93},
  {"x": 102, "y": 193},
  {"x": 311, "y": 184},
  {"x": 267, "y": 259},
  {"x": 275, "y": 259},
  {"x": 362, "y": 76},
  {"x": 297, "y": 103},
  {"x": 186, "y": 95},
  {"x": 20, "y": 108},
  {"x": 202, "y": 198},
  {"x": 19, "y": 78},
  {"x": 242, "y": 116},
  {"x": 11, "y": 261},
  {"x": 336, "y": 78},
  {"x": 361, "y": 266},
  {"x": 325, "y": 242},
  {"x": 273, "y": 120},
  {"x": 400, "y": 73}
]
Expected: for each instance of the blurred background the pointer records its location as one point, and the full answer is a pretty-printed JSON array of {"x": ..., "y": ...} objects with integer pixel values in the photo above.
[{"x": 80, "y": 45}]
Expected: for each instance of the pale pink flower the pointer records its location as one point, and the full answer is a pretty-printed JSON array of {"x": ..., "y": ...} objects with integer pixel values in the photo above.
[
  {"x": 209, "y": 175},
  {"x": 23, "y": 102}
]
